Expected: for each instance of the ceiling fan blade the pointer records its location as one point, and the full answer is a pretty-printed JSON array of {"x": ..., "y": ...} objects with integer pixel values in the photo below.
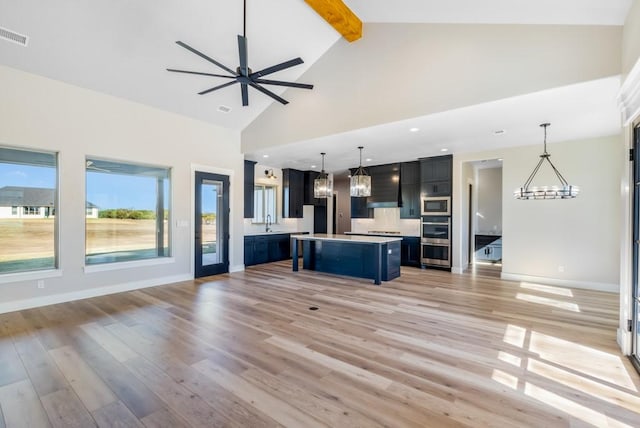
[
  {"x": 242, "y": 52},
  {"x": 280, "y": 83},
  {"x": 269, "y": 93},
  {"x": 200, "y": 73},
  {"x": 276, "y": 68},
  {"x": 245, "y": 94},
  {"x": 200, "y": 54},
  {"x": 215, "y": 88}
]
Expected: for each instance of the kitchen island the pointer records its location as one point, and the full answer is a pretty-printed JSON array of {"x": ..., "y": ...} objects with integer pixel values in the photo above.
[{"x": 373, "y": 257}]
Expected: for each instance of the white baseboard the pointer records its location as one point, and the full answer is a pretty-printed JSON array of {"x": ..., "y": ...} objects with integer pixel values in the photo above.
[
  {"x": 571, "y": 283},
  {"x": 53, "y": 299},
  {"x": 624, "y": 341},
  {"x": 236, "y": 268}
]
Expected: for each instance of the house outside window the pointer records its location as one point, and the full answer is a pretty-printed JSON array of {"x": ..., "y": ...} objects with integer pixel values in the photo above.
[
  {"x": 126, "y": 211},
  {"x": 28, "y": 191}
]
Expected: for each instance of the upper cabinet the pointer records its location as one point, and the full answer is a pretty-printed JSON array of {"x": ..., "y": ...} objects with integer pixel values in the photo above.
[
  {"x": 293, "y": 192},
  {"x": 249, "y": 175},
  {"x": 410, "y": 189},
  {"x": 436, "y": 175},
  {"x": 309, "y": 176},
  {"x": 385, "y": 186},
  {"x": 359, "y": 208}
]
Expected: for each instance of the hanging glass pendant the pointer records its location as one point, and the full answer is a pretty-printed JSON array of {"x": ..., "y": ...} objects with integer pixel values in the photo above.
[
  {"x": 322, "y": 186},
  {"x": 360, "y": 185},
  {"x": 564, "y": 191}
]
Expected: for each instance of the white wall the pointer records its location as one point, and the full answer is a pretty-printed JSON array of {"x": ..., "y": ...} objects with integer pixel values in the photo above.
[
  {"x": 631, "y": 38},
  {"x": 488, "y": 213},
  {"x": 44, "y": 114},
  {"x": 399, "y": 72},
  {"x": 581, "y": 235}
]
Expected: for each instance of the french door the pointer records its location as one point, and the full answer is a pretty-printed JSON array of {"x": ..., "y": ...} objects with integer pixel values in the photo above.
[
  {"x": 211, "y": 224},
  {"x": 635, "y": 329}
]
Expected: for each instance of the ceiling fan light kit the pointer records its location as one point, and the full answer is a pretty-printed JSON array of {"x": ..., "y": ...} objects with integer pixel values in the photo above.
[
  {"x": 360, "y": 183},
  {"x": 563, "y": 191},
  {"x": 244, "y": 75},
  {"x": 322, "y": 186}
]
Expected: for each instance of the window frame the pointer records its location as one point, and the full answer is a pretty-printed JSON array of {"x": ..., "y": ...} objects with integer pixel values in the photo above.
[
  {"x": 119, "y": 263},
  {"x": 55, "y": 269},
  {"x": 262, "y": 187}
]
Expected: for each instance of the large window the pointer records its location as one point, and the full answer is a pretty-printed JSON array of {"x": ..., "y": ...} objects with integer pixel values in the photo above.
[
  {"x": 127, "y": 211},
  {"x": 264, "y": 203},
  {"x": 28, "y": 198}
]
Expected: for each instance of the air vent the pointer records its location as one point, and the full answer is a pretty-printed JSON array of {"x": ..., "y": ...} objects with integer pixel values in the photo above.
[
  {"x": 12, "y": 36},
  {"x": 224, "y": 109}
]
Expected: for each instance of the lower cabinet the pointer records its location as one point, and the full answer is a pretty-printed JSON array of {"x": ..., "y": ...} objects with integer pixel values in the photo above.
[
  {"x": 488, "y": 248},
  {"x": 410, "y": 251},
  {"x": 266, "y": 248}
]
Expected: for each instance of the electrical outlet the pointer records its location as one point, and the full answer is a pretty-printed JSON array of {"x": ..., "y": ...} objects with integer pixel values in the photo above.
[
  {"x": 41, "y": 283},
  {"x": 560, "y": 269}
]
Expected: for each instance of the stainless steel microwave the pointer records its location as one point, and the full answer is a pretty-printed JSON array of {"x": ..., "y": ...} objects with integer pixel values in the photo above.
[{"x": 436, "y": 205}]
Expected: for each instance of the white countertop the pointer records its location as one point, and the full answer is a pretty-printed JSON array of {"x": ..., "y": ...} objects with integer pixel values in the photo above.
[
  {"x": 391, "y": 235},
  {"x": 274, "y": 232},
  {"x": 347, "y": 238}
]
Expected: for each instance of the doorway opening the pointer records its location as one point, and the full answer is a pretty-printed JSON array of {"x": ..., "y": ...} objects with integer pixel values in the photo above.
[{"x": 484, "y": 200}]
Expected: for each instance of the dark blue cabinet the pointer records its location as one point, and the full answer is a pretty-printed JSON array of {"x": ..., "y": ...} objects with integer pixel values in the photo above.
[
  {"x": 266, "y": 248},
  {"x": 249, "y": 168},
  {"x": 359, "y": 208},
  {"x": 292, "y": 193},
  {"x": 410, "y": 190},
  {"x": 436, "y": 175},
  {"x": 410, "y": 251}
]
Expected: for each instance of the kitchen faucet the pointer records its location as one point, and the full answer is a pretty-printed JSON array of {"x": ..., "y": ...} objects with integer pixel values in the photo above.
[{"x": 266, "y": 226}]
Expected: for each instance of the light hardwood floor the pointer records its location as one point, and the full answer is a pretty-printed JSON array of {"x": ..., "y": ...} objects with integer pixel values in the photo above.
[{"x": 429, "y": 349}]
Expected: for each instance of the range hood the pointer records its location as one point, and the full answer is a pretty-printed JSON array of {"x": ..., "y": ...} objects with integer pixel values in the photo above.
[{"x": 385, "y": 186}]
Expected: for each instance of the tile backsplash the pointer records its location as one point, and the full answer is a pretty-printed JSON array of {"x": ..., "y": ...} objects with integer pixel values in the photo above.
[{"x": 386, "y": 219}]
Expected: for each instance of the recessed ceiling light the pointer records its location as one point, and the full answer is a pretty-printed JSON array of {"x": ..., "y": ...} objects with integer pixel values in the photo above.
[
  {"x": 414, "y": 129},
  {"x": 444, "y": 150},
  {"x": 499, "y": 132},
  {"x": 224, "y": 109},
  {"x": 368, "y": 160},
  {"x": 313, "y": 166},
  {"x": 265, "y": 156},
  {"x": 500, "y": 160}
]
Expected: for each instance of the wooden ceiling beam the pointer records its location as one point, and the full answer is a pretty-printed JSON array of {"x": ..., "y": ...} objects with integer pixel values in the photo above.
[{"x": 339, "y": 16}]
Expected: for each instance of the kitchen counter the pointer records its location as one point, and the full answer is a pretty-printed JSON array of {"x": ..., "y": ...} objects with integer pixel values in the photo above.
[
  {"x": 275, "y": 232},
  {"x": 399, "y": 235},
  {"x": 374, "y": 257},
  {"x": 373, "y": 239}
]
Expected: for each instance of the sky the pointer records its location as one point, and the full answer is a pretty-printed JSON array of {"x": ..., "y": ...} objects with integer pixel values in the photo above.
[{"x": 104, "y": 190}]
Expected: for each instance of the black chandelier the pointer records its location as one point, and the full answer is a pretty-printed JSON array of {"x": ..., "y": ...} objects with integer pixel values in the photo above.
[{"x": 564, "y": 191}]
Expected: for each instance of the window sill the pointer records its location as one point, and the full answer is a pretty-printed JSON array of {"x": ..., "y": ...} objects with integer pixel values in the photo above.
[
  {"x": 128, "y": 265},
  {"x": 29, "y": 276}
]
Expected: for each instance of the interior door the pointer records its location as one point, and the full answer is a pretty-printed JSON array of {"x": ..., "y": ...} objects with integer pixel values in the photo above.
[
  {"x": 636, "y": 249},
  {"x": 211, "y": 224}
]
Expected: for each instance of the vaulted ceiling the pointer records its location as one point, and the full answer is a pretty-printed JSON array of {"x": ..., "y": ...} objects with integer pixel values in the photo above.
[{"x": 122, "y": 48}]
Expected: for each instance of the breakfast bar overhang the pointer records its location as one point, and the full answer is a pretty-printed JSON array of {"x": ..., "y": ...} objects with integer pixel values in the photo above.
[{"x": 372, "y": 257}]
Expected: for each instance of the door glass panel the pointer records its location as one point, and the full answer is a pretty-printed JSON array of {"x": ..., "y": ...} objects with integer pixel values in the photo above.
[{"x": 211, "y": 222}]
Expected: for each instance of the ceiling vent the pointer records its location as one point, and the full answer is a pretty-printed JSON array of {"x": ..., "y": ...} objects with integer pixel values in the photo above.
[
  {"x": 14, "y": 37},
  {"x": 224, "y": 109}
]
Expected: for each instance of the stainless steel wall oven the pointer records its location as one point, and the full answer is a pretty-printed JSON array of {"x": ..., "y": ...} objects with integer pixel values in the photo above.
[{"x": 436, "y": 241}]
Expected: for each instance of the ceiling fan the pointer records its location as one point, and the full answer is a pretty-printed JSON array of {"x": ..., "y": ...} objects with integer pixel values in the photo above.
[{"x": 243, "y": 74}]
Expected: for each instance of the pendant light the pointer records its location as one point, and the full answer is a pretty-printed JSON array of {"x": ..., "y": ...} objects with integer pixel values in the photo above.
[
  {"x": 360, "y": 185},
  {"x": 322, "y": 187},
  {"x": 564, "y": 191}
]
